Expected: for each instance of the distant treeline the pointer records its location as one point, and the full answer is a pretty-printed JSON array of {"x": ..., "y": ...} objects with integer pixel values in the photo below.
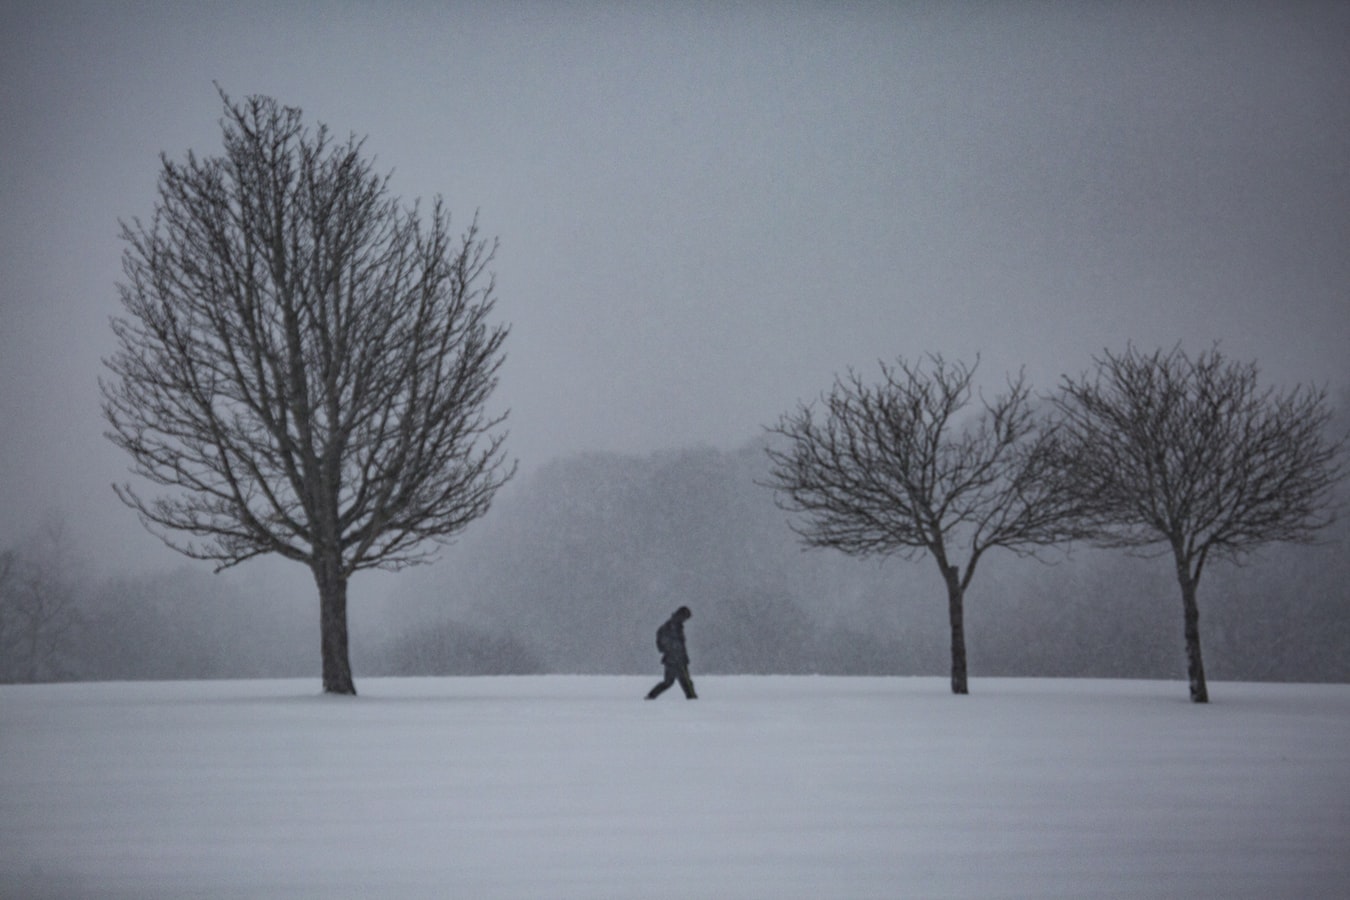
[{"x": 581, "y": 560}]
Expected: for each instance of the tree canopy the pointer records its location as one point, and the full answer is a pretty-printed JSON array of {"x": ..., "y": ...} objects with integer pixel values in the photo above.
[
  {"x": 304, "y": 362},
  {"x": 894, "y": 467},
  {"x": 1192, "y": 455}
]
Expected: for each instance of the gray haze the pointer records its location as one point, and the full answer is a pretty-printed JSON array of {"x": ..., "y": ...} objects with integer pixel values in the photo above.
[{"x": 705, "y": 212}]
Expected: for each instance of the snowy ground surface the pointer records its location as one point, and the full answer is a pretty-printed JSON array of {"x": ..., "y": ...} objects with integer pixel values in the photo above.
[{"x": 573, "y": 787}]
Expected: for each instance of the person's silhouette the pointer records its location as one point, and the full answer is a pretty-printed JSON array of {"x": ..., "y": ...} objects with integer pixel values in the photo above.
[{"x": 674, "y": 656}]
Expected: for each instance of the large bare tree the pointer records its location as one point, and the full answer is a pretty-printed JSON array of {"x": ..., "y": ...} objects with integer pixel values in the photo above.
[
  {"x": 304, "y": 363},
  {"x": 894, "y": 468},
  {"x": 1193, "y": 456}
]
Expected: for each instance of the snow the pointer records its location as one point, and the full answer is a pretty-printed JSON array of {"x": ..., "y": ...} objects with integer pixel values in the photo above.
[{"x": 574, "y": 787}]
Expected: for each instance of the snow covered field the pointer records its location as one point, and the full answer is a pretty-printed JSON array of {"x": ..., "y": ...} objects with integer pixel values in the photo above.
[{"x": 573, "y": 787}]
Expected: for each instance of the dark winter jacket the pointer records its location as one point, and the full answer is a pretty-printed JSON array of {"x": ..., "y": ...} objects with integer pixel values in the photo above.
[{"x": 670, "y": 641}]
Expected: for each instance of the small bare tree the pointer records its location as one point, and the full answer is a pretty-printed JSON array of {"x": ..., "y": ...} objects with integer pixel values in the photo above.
[
  {"x": 889, "y": 469},
  {"x": 1194, "y": 457},
  {"x": 304, "y": 363},
  {"x": 38, "y": 607},
  {"x": 11, "y": 616}
]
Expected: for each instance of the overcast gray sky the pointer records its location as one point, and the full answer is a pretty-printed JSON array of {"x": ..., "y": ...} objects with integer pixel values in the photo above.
[{"x": 707, "y": 210}]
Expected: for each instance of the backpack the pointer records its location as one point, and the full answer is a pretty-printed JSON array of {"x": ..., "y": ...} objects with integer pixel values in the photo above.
[{"x": 665, "y": 639}]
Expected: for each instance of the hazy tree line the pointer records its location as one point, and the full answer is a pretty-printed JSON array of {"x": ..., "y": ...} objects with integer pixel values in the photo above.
[
  {"x": 579, "y": 562},
  {"x": 176, "y": 624},
  {"x": 591, "y": 553}
]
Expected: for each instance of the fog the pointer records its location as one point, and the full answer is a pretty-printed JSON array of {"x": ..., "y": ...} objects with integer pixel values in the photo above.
[
  {"x": 580, "y": 561},
  {"x": 592, "y": 553},
  {"x": 704, "y": 214}
]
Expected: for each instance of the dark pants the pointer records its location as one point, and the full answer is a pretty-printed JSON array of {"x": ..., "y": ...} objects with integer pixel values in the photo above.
[{"x": 675, "y": 672}]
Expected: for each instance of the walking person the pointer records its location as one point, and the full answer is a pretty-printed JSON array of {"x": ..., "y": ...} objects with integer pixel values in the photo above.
[{"x": 674, "y": 656}]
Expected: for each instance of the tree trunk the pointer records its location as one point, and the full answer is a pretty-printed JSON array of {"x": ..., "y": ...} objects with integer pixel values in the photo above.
[
  {"x": 1195, "y": 664},
  {"x": 337, "y": 669},
  {"x": 955, "y": 604}
]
